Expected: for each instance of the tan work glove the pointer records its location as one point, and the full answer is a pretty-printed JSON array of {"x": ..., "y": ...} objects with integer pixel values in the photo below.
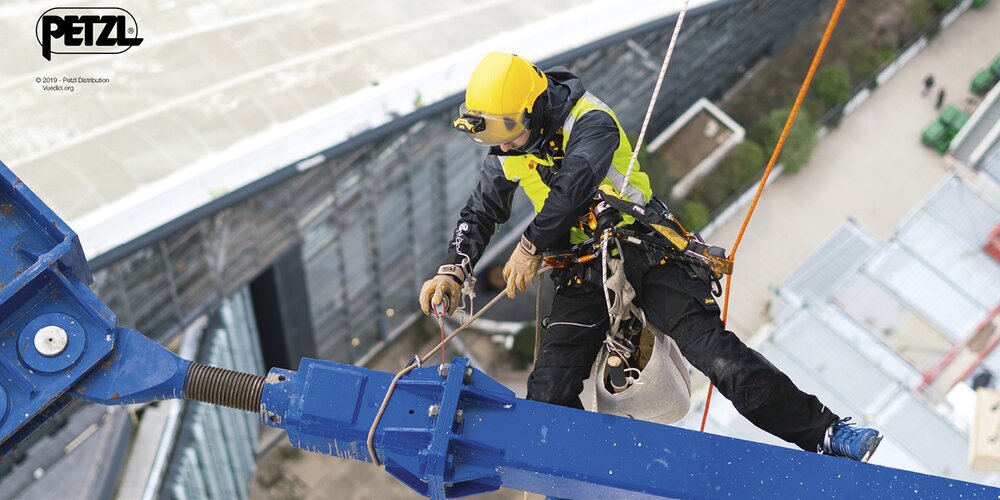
[
  {"x": 447, "y": 283},
  {"x": 521, "y": 267}
]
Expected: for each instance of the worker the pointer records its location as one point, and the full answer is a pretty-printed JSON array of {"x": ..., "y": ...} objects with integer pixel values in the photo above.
[{"x": 559, "y": 143}]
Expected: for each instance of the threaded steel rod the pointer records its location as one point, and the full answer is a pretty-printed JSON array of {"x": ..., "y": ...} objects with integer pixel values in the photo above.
[{"x": 210, "y": 384}]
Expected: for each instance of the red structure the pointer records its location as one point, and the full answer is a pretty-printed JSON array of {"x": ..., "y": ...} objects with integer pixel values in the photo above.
[{"x": 992, "y": 246}]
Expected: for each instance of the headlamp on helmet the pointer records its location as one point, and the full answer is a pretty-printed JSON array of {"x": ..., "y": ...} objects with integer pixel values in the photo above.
[
  {"x": 487, "y": 129},
  {"x": 501, "y": 93}
]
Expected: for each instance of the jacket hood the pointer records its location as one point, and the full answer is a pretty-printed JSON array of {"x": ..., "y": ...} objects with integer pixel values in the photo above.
[{"x": 551, "y": 110}]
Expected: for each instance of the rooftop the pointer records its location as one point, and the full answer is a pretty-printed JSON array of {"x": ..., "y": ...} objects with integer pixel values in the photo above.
[
  {"x": 223, "y": 93},
  {"x": 980, "y": 132},
  {"x": 861, "y": 320}
]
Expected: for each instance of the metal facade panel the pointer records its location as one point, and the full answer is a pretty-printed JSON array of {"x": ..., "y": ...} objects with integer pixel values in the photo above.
[
  {"x": 926, "y": 291},
  {"x": 991, "y": 162},
  {"x": 831, "y": 264},
  {"x": 954, "y": 257},
  {"x": 963, "y": 209},
  {"x": 215, "y": 453},
  {"x": 842, "y": 364},
  {"x": 908, "y": 417}
]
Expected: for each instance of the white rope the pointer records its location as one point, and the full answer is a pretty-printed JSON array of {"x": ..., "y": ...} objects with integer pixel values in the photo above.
[
  {"x": 656, "y": 92},
  {"x": 605, "y": 236}
]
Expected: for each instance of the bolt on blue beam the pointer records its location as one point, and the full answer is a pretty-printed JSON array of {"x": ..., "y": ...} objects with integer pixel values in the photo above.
[
  {"x": 453, "y": 431},
  {"x": 56, "y": 336},
  {"x": 54, "y": 329}
]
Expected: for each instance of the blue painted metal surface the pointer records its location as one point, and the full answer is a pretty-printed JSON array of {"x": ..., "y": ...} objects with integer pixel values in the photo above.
[
  {"x": 44, "y": 281},
  {"x": 499, "y": 440}
]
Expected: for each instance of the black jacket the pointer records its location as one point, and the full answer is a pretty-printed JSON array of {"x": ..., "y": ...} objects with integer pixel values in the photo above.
[{"x": 572, "y": 181}]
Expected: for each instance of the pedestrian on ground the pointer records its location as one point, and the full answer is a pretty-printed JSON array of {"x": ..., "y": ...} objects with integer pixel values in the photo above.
[
  {"x": 940, "y": 99},
  {"x": 928, "y": 85}
]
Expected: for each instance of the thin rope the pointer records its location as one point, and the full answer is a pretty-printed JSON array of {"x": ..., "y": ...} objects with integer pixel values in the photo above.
[
  {"x": 656, "y": 92},
  {"x": 830, "y": 25},
  {"x": 439, "y": 313},
  {"x": 538, "y": 322},
  {"x": 423, "y": 359}
]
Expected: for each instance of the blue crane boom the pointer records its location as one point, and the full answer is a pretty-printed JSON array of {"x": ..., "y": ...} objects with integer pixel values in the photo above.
[{"x": 447, "y": 431}]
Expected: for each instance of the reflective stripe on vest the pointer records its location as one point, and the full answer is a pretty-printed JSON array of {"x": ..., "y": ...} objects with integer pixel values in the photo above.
[{"x": 522, "y": 168}]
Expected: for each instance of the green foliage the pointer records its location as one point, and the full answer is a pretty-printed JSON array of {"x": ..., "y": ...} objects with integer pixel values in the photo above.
[
  {"x": 653, "y": 166},
  {"x": 522, "y": 354},
  {"x": 833, "y": 119},
  {"x": 800, "y": 142},
  {"x": 711, "y": 190},
  {"x": 743, "y": 164},
  {"x": 693, "y": 214},
  {"x": 862, "y": 60},
  {"x": 919, "y": 12},
  {"x": 943, "y": 5},
  {"x": 832, "y": 86}
]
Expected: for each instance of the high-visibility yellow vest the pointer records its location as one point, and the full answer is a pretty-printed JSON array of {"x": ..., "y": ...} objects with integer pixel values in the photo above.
[{"x": 522, "y": 168}]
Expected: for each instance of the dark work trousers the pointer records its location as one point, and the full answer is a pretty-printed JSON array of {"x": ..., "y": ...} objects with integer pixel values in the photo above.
[{"x": 681, "y": 305}]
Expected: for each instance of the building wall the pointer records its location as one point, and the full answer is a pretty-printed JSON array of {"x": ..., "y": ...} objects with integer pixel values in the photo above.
[{"x": 215, "y": 453}]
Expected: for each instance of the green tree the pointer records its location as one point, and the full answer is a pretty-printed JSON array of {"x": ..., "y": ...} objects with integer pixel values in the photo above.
[
  {"x": 919, "y": 12},
  {"x": 862, "y": 60},
  {"x": 693, "y": 215},
  {"x": 943, "y": 5},
  {"x": 832, "y": 86},
  {"x": 653, "y": 166},
  {"x": 743, "y": 163},
  {"x": 731, "y": 176},
  {"x": 800, "y": 142}
]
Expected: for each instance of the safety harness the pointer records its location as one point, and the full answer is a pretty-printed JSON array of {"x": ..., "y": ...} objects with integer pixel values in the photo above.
[{"x": 661, "y": 238}]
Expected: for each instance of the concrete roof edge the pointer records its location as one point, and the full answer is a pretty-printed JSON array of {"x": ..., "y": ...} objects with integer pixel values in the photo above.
[{"x": 261, "y": 161}]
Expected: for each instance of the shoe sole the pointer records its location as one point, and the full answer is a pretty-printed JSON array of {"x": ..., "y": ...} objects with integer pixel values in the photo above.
[{"x": 872, "y": 450}]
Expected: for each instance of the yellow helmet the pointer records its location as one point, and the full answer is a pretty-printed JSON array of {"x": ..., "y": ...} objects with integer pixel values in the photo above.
[{"x": 501, "y": 93}]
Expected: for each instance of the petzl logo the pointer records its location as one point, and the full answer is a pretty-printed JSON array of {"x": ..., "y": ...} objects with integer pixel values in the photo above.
[{"x": 86, "y": 30}]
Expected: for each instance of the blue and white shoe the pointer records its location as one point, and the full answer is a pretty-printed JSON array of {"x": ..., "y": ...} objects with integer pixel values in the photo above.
[{"x": 844, "y": 440}]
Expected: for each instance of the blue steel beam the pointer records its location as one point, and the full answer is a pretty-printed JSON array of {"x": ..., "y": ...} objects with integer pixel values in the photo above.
[
  {"x": 448, "y": 431},
  {"x": 44, "y": 302},
  {"x": 453, "y": 432},
  {"x": 58, "y": 340}
]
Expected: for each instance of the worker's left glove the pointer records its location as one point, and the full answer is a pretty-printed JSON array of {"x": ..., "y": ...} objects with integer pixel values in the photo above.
[{"x": 521, "y": 266}]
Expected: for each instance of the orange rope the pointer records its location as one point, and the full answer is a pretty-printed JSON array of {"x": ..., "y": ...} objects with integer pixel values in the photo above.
[{"x": 831, "y": 24}]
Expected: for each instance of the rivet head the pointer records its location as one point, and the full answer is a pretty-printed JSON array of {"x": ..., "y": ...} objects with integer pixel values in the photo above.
[
  {"x": 433, "y": 410},
  {"x": 51, "y": 341}
]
